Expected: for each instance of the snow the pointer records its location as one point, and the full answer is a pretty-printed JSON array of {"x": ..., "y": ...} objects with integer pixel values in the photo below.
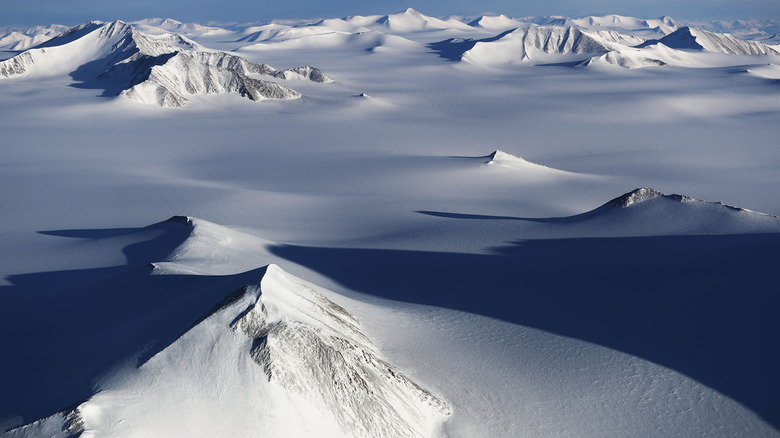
[
  {"x": 161, "y": 69},
  {"x": 279, "y": 358},
  {"x": 697, "y": 39},
  {"x": 532, "y": 43},
  {"x": 455, "y": 229}
]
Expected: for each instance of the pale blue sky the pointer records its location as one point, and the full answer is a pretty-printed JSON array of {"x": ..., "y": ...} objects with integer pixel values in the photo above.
[{"x": 69, "y": 12}]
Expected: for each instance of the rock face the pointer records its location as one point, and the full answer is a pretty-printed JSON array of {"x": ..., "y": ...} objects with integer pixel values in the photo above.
[
  {"x": 332, "y": 364},
  {"x": 188, "y": 73},
  {"x": 270, "y": 354},
  {"x": 161, "y": 70}
]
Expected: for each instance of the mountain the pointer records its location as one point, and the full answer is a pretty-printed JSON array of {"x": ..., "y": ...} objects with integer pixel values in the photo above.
[
  {"x": 656, "y": 55},
  {"x": 408, "y": 21},
  {"x": 647, "y": 211},
  {"x": 756, "y": 29},
  {"x": 23, "y": 39},
  {"x": 555, "y": 44},
  {"x": 688, "y": 38},
  {"x": 275, "y": 356},
  {"x": 163, "y": 70},
  {"x": 534, "y": 44},
  {"x": 168, "y": 25},
  {"x": 634, "y": 26},
  {"x": 495, "y": 22}
]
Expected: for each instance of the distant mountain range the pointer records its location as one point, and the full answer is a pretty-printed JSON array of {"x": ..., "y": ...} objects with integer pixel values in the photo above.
[
  {"x": 164, "y": 61},
  {"x": 160, "y": 70}
]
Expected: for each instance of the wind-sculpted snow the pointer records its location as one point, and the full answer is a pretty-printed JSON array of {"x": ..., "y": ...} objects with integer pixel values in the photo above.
[
  {"x": 506, "y": 160},
  {"x": 283, "y": 348},
  {"x": 163, "y": 70},
  {"x": 499, "y": 284}
]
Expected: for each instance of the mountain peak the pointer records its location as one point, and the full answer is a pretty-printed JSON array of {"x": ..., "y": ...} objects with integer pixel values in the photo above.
[
  {"x": 162, "y": 70},
  {"x": 689, "y": 38},
  {"x": 278, "y": 345},
  {"x": 634, "y": 197}
]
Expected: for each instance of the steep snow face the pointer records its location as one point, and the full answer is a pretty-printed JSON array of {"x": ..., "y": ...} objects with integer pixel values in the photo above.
[
  {"x": 70, "y": 50},
  {"x": 274, "y": 358},
  {"x": 103, "y": 45},
  {"x": 161, "y": 70},
  {"x": 524, "y": 45},
  {"x": 189, "y": 73},
  {"x": 688, "y": 38},
  {"x": 310, "y": 346},
  {"x": 617, "y": 37},
  {"x": 106, "y": 45}
]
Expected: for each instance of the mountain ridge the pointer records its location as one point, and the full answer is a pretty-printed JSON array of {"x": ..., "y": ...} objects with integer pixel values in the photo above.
[
  {"x": 300, "y": 351},
  {"x": 162, "y": 70}
]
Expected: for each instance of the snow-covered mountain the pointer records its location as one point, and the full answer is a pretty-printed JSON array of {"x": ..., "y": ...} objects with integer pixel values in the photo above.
[
  {"x": 275, "y": 350},
  {"x": 547, "y": 44},
  {"x": 375, "y": 270},
  {"x": 408, "y": 21},
  {"x": 534, "y": 43},
  {"x": 23, "y": 39},
  {"x": 648, "y": 212},
  {"x": 162, "y": 70},
  {"x": 278, "y": 356},
  {"x": 494, "y": 41},
  {"x": 271, "y": 354},
  {"x": 169, "y": 25},
  {"x": 688, "y": 38}
]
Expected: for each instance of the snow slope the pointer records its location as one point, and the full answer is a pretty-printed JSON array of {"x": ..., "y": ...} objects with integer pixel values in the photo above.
[
  {"x": 162, "y": 70},
  {"x": 533, "y": 44},
  {"x": 276, "y": 357},
  {"x": 23, "y": 39},
  {"x": 508, "y": 288},
  {"x": 688, "y": 38}
]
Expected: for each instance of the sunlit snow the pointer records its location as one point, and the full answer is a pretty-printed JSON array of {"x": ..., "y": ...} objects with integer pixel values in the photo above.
[{"x": 396, "y": 225}]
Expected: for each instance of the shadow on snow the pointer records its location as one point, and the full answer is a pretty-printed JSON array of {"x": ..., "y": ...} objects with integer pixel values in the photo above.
[
  {"x": 705, "y": 306},
  {"x": 71, "y": 328}
]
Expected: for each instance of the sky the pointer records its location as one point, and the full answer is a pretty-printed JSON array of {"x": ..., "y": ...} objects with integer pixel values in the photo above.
[{"x": 35, "y": 12}]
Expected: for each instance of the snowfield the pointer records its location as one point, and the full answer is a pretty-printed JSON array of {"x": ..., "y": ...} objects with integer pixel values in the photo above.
[{"x": 408, "y": 226}]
